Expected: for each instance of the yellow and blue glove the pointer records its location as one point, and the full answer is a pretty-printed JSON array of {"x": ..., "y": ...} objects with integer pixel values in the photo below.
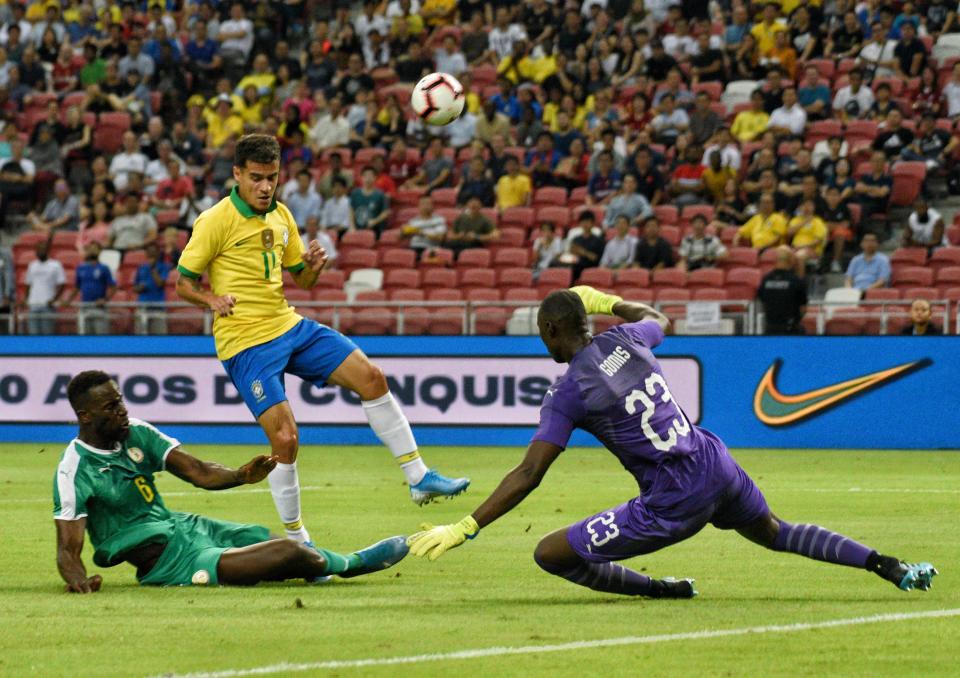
[
  {"x": 433, "y": 542},
  {"x": 595, "y": 301}
]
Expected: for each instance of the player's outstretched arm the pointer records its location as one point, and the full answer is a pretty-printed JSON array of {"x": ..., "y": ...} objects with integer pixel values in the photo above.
[
  {"x": 596, "y": 302},
  {"x": 69, "y": 563},
  {"x": 433, "y": 542},
  {"x": 634, "y": 311},
  {"x": 209, "y": 475}
]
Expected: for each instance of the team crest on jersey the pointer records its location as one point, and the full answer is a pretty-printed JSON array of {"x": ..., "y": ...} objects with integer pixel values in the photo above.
[
  {"x": 266, "y": 237},
  {"x": 257, "y": 389},
  {"x": 136, "y": 454}
]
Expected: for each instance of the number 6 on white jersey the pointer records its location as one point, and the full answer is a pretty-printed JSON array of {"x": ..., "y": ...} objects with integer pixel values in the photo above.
[{"x": 679, "y": 427}]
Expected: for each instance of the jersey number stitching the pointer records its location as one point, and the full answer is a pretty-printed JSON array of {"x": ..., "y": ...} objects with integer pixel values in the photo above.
[
  {"x": 679, "y": 427},
  {"x": 267, "y": 265},
  {"x": 611, "y": 531},
  {"x": 144, "y": 488}
]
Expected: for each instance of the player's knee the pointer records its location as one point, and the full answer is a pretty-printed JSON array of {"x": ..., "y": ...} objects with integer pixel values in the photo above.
[
  {"x": 306, "y": 554},
  {"x": 544, "y": 557},
  {"x": 286, "y": 441},
  {"x": 373, "y": 382}
]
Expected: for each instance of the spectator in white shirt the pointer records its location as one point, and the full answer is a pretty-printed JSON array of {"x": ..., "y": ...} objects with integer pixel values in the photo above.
[
  {"x": 45, "y": 280},
  {"x": 157, "y": 169},
  {"x": 504, "y": 35},
  {"x": 402, "y": 8},
  {"x": 856, "y": 99},
  {"x": 448, "y": 58},
  {"x": 314, "y": 231},
  {"x": 369, "y": 20},
  {"x": 789, "y": 119},
  {"x": 127, "y": 161},
  {"x": 618, "y": 252},
  {"x": 427, "y": 229},
  {"x": 331, "y": 128},
  {"x": 547, "y": 247},
  {"x": 724, "y": 143},
  {"x": 236, "y": 36},
  {"x": 680, "y": 44},
  {"x": 951, "y": 92},
  {"x": 925, "y": 227},
  {"x": 336, "y": 213},
  {"x": 877, "y": 56}
]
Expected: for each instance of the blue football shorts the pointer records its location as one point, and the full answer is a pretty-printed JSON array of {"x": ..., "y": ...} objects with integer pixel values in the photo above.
[{"x": 310, "y": 351}]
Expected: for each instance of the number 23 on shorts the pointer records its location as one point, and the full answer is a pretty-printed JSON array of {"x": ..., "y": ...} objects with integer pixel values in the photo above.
[{"x": 603, "y": 528}]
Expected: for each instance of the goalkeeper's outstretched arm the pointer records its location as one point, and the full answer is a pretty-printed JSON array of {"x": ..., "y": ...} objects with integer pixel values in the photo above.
[
  {"x": 518, "y": 483},
  {"x": 633, "y": 311}
]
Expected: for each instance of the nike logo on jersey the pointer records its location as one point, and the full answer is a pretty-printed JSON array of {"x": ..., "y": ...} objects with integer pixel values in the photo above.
[
  {"x": 241, "y": 242},
  {"x": 774, "y": 408}
]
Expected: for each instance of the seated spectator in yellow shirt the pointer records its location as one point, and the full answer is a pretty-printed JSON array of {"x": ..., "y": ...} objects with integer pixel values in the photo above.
[
  {"x": 808, "y": 235},
  {"x": 513, "y": 188},
  {"x": 748, "y": 125},
  {"x": 716, "y": 176},
  {"x": 765, "y": 32},
  {"x": 767, "y": 228},
  {"x": 223, "y": 123},
  {"x": 263, "y": 78}
]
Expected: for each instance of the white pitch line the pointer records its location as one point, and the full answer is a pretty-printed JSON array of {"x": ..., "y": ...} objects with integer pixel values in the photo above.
[
  {"x": 576, "y": 645},
  {"x": 317, "y": 488}
]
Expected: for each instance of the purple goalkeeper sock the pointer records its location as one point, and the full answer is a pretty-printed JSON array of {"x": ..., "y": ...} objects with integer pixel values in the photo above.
[
  {"x": 608, "y": 577},
  {"x": 818, "y": 543}
]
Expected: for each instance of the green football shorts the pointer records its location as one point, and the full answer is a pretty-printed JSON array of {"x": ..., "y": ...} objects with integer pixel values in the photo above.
[{"x": 194, "y": 549}]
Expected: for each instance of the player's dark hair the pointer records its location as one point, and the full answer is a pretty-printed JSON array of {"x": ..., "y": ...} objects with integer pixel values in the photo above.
[
  {"x": 259, "y": 148},
  {"x": 564, "y": 309},
  {"x": 82, "y": 383}
]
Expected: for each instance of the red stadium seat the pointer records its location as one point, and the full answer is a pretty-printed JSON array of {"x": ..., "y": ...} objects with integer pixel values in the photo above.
[
  {"x": 641, "y": 294},
  {"x": 362, "y": 239},
  {"x": 553, "y": 279},
  {"x": 705, "y": 278},
  {"x": 474, "y": 258},
  {"x": 354, "y": 259},
  {"x": 882, "y": 294},
  {"x": 560, "y": 216},
  {"x": 549, "y": 196},
  {"x": 439, "y": 257},
  {"x": 397, "y": 258},
  {"x": 948, "y": 277},
  {"x": 364, "y": 156},
  {"x": 671, "y": 234},
  {"x": 847, "y": 322},
  {"x": 826, "y": 67},
  {"x": 439, "y": 279},
  {"x": 407, "y": 197},
  {"x": 597, "y": 277},
  {"x": 511, "y": 257},
  {"x": 669, "y": 278},
  {"x": 713, "y": 89},
  {"x": 911, "y": 276},
  {"x": 515, "y": 278},
  {"x": 819, "y": 130},
  {"x": 602, "y": 323},
  {"x": 578, "y": 196},
  {"x": 118, "y": 121},
  {"x": 524, "y": 217},
  {"x": 944, "y": 257},
  {"x": 691, "y": 211},
  {"x": 909, "y": 256},
  {"x": 477, "y": 278},
  {"x": 742, "y": 283},
  {"x": 908, "y": 179},
  {"x": 444, "y": 197},
  {"x": 710, "y": 294},
  {"x": 666, "y": 214},
  {"x": 511, "y": 237},
  {"x": 953, "y": 233},
  {"x": 633, "y": 277},
  {"x": 928, "y": 293},
  {"x": 401, "y": 279},
  {"x": 740, "y": 257},
  {"x": 391, "y": 238}
]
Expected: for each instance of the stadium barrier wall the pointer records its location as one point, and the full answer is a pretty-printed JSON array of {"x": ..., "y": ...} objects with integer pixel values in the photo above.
[{"x": 770, "y": 392}]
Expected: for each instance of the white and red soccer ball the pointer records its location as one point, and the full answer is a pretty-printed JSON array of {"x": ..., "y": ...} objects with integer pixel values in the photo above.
[{"x": 438, "y": 99}]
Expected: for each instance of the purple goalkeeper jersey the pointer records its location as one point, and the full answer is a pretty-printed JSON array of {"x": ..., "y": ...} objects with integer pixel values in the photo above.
[{"x": 614, "y": 388}]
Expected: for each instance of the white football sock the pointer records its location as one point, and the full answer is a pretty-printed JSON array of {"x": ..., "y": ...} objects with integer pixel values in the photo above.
[
  {"x": 393, "y": 430},
  {"x": 285, "y": 488}
]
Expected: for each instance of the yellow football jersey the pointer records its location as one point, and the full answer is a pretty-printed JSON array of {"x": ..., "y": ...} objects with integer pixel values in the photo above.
[{"x": 244, "y": 254}]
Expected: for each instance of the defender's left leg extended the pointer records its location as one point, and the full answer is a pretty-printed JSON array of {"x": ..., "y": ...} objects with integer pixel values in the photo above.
[
  {"x": 583, "y": 553},
  {"x": 746, "y": 511}
]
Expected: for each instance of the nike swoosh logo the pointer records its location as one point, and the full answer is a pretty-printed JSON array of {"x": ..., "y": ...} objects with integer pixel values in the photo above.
[
  {"x": 774, "y": 408},
  {"x": 241, "y": 242}
]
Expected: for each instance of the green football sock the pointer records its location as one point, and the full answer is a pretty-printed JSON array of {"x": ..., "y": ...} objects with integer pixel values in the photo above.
[{"x": 337, "y": 562}]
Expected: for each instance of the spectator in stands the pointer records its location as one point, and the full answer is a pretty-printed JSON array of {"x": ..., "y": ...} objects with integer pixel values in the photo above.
[
  {"x": 354, "y": 79},
  {"x": 814, "y": 95},
  {"x": 620, "y": 249},
  {"x": 427, "y": 230},
  {"x": 476, "y": 184},
  {"x": 547, "y": 247},
  {"x": 169, "y": 247},
  {"x": 202, "y": 56},
  {"x": 337, "y": 213},
  {"x": 542, "y": 160},
  {"x": 136, "y": 60},
  {"x": 95, "y": 286},
  {"x": 653, "y": 252},
  {"x": 769, "y": 25},
  {"x": 17, "y": 175},
  {"x": 784, "y": 296},
  {"x": 608, "y": 142},
  {"x": 855, "y": 99},
  {"x": 332, "y": 129},
  {"x": 910, "y": 53},
  {"x": 492, "y": 123},
  {"x": 731, "y": 210},
  {"x": 872, "y": 191},
  {"x": 706, "y": 64},
  {"x": 782, "y": 57},
  {"x": 149, "y": 283},
  {"x": 686, "y": 182},
  {"x": 704, "y": 121},
  {"x": 792, "y": 185},
  {"x": 627, "y": 202},
  {"x": 472, "y": 228},
  {"x": 132, "y": 229},
  {"x": 878, "y": 56},
  {"x": 736, "y": 30},
  {"x": 789, "y": 119},
  {"x": 45, "y": 280},
  {"x": 62, "y": 211},
  {"x": 925, "y": 227},
  {"x": 236, "y": 36},
  {"x": 870, "y": 269},
  {"x": 670, "y": 122},
  {"x": 584, "y": 246},
  {"x": 305, "y": 202},
  {"x": 223, "y": 123},
  {"x": 836, "y": 216},
  {"x": 748, "y": 125},
  {"x": 436, "y": 169},
  {"x": 893, "y": 137},
  {"x": 603, "y": 184},
  {"x": 920, "y": 324},
  {"x": 127, "y": 161},
  {"x": 157, "y": 169},
  {"x": 513, "y": 188},
  {"x": 807, "y": 234},
  {"x": 176, "y": 187},
  {"x": 724, "y": 143},
  {"x": 767, "y": 228},
  {"x": 370, "y": 205},
  {"x": 314, "y": 230},
  {"x": 883, "y": 103},
  {"x": 335, "y": 169},
  {"x": 8, "y": 288},
  {"x": 715, "y": 177},
  {"x": 846, "y": 39},
  {"x": 951, "y": 93},
  {"x": 700, "y": 249},
  {"x": 932, "y": 146},
  {"x": 448, "y": 58}
]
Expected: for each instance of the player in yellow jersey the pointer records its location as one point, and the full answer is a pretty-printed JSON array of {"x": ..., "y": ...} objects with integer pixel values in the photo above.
[{"x": 243, "y": 243}]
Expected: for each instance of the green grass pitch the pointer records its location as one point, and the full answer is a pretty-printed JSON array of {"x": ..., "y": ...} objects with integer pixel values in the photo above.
[{"x": 489, "y": 593}]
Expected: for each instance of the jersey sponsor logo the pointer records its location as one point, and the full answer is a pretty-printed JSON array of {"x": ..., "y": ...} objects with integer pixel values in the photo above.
[
  {"x": 257, "y": 389},
  {"x": 136, "y": 454},
  {"x": 266, "y": 238},
  {"x": 613, "y": 362},
  {"x": 774, "y": 408}
]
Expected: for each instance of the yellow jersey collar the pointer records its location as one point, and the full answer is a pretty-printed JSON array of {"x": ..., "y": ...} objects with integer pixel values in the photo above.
[{"x": 245, "y": 209}]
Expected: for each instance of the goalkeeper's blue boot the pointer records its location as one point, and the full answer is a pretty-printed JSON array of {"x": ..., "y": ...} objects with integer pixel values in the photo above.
[
  {"x": 379, "y": 556},
  {"x": 323, "y": 579},
  {"x": 434, "y": 485},
  {"x": 917, "y": 576}
]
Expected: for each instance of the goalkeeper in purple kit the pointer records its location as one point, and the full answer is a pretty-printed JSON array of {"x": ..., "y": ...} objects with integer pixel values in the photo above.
[{"x": 614, "y": 388}]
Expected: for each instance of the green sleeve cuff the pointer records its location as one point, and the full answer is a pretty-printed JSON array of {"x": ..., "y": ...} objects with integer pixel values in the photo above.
[
  {"x": 187, "y": 272},
  {"x": 296, "y": 268}
]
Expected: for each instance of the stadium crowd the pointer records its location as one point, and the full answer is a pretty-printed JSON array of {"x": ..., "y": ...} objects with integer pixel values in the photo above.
[{"x": 669, "y": 151}]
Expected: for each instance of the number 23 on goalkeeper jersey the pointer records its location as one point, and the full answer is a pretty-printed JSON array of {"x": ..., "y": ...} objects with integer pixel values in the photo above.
[{"x": 244, "y": 254}]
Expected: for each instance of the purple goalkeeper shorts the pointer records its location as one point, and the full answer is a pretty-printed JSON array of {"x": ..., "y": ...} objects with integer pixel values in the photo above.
[{"x": 633, "y": 529}]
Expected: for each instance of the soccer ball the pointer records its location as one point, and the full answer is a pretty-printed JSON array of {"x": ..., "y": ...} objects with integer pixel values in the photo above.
[{"x": 437, "y": 99}]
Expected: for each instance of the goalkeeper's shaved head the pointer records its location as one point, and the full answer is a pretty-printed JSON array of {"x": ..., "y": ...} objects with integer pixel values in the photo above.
[{"x": 562, "y": 321}]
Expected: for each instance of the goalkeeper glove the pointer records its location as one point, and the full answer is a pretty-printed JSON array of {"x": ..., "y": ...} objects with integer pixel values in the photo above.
[
  {"x": 595, "y": 301},
  {"x": 433, "y": 542}
]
